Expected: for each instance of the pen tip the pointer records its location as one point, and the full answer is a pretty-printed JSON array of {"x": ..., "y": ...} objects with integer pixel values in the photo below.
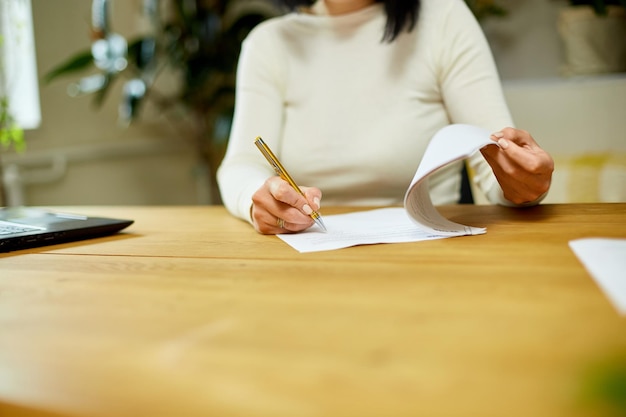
[{"x": 321, "y": 224}]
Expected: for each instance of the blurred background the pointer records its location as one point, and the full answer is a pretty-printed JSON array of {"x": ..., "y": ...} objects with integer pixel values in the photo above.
[{"x": 84, "y": 154}]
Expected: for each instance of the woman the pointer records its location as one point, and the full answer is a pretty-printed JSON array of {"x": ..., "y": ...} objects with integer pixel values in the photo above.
[{"x": 348, "y": 93}]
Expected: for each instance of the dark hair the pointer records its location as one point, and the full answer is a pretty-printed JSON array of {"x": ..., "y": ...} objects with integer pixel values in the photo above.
[{"x": 401, "y": 14}]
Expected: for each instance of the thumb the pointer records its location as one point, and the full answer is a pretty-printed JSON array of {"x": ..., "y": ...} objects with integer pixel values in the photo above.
[
  {"x": 520, "y": 155},
  {"x": 517, "y": 136}
]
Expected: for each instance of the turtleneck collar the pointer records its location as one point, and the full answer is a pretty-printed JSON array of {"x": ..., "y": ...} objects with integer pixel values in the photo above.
[{"x": 318, "y": 11}]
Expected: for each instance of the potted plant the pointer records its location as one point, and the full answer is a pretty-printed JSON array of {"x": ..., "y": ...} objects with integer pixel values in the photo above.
[
  {"x": 197, "y": 42},
  {"x": 594, "y": 36}
]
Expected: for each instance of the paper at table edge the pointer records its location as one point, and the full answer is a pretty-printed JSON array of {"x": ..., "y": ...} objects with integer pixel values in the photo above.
[
  {"x": 604, "y": 261},
  {"x": 450, "y": 144}
]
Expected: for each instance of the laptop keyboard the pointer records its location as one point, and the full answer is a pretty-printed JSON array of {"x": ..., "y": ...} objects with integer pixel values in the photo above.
[{"x": 8, "y": 228}]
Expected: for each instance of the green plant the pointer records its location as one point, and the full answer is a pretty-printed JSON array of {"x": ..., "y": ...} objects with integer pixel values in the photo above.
[
  {"x": 599, "y": 6},
  {"x": 199, "y": 41},
  {"x": 11, "y": 135}
]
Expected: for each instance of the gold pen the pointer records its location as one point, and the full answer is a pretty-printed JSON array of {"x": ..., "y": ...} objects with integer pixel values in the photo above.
[{"x": 282, "y": 172}]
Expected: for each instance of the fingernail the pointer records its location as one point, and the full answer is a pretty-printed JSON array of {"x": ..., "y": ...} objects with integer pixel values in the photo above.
[
  {"x": 316, "y": 201},
  {"x": 307, "y": 209},
  {"x": 503, "y": 143},
  {"x": 498, "y": 134},
  {"x": 273, "y": 188}
]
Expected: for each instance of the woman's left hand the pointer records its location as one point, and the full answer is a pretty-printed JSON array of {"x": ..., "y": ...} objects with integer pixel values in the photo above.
[{"x": 522, "y": 168}]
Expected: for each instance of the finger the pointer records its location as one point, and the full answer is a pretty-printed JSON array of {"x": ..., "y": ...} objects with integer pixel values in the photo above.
[
  {"x": 531, "y": 160},
  {"x": 306, "y": 204},
  {"x": 276, "y": 221},
  {"x": 267, "y": 210},
  {"x": 515, "y": 149},
  {"x": 283, "y": 192},
  {"x": 313, "y": 196},
  {"x": 517, "y": 136}
]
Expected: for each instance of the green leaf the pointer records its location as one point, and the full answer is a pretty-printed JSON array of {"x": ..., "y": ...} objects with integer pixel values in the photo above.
[
  {"x": 12, "y": 137},
  {"x": 78, "y": 62}
]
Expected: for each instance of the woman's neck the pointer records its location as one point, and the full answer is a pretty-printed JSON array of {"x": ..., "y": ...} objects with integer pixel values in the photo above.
[{"x": 339, "y": 7}]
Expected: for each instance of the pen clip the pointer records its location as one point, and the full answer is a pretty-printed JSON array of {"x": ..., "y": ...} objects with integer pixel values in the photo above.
[
  {"x": 278, "y": 167},
  {"x": 267, "y": 153}
]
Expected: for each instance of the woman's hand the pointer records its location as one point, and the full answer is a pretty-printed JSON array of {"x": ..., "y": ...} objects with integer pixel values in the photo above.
[
  {"x": 522, "y": 168},
  {"x": 278, "y": 208}
]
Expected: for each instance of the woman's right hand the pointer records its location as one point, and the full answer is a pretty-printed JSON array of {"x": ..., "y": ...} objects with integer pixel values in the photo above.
[{"x": 278, "y": 208}]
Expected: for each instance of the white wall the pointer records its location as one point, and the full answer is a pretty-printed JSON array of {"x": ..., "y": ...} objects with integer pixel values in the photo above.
[
  {"x": 579, "y": 120},
  {"x": 526, "y": 43},
  {"x": 562, "y": 114}
]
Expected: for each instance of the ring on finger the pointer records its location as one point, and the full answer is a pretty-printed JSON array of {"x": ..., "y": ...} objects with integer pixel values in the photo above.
[{"x": 280, "y": 223}]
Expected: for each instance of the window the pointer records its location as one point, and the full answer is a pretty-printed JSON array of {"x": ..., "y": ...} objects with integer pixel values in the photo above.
[{"x": 18, "y": 68}]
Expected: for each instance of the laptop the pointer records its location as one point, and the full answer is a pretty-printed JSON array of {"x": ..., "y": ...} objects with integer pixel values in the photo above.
[{"x": 28, "y": 227}]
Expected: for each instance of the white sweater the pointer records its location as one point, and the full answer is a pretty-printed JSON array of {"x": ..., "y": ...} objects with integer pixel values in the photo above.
[{"x": 352, "y": 115}]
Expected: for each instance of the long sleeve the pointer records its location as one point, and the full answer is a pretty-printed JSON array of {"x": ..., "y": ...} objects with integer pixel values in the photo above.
[
  {"x": 352, "y": 115},
  {"x": 258, "y": 113},
  {"x": 471, "y": 88}
]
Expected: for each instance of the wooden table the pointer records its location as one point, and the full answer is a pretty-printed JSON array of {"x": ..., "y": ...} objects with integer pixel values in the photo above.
[{"x": 192, "y": 313}]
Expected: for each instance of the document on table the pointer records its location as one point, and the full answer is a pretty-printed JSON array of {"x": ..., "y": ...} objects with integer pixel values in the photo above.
[
  {"x": 450, "y": 144},
  {"x": 418, "y": 220},
  {"x": 605, "y": 260},
  {"x": 386, "y": 225}
]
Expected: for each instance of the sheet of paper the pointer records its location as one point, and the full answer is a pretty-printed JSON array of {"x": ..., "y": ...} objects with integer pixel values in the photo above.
[
  {"x": 419, "y": 220},
  {"x": 388, "y": 225},
  {"x": 605, "y": 260},
  {"x": 450, "y": 144}
]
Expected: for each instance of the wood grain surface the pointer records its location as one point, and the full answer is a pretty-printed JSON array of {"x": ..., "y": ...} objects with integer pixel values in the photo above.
[{"x": 190, "y": 312}]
